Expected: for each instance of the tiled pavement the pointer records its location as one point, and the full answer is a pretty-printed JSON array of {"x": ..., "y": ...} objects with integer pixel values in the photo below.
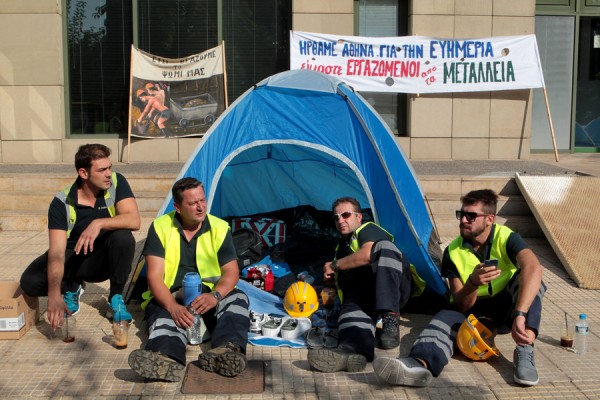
[{"x": 37, "y": 366}]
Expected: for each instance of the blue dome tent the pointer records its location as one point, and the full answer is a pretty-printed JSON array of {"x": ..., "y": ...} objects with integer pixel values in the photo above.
[{"x": 304, "y": 138}]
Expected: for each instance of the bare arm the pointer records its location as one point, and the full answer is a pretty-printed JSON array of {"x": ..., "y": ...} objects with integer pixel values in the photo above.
[
  {"x": 155, "y": 275},
  {"x": 530, "y": 281},
  {"x": 56, "y": 270},
  {"x": 127, "y": 216}
]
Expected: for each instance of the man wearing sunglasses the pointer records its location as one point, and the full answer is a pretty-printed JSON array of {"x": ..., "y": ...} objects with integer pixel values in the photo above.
[
  {"x": 373, "y": 278},
  {"x": 491, "y": 273}
]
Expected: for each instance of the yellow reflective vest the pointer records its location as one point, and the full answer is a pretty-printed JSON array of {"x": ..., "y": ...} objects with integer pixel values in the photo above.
[
  {"x": 207, "y": 248},
  {"x": 70, "y": 203},
  {"x": 466, "y": 261}
]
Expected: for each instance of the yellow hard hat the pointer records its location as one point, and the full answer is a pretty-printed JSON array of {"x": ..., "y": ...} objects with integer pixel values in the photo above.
[
  {"x": 475, "y": 340},
  {"x": 300, "y": 300}
]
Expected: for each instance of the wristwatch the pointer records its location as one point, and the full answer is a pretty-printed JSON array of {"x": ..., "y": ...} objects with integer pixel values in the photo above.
[
  {"x": 217, "y": 295},
  {"x": 516, "y": 313},
  {"x": 334, "y": 266}
]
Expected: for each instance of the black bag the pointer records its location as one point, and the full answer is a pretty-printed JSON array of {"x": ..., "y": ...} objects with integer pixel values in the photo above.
[{"x": 248, "y": 246}]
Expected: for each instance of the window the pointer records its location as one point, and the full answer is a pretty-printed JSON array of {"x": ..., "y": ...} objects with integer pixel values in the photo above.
[
  {"x": 378, "y": 18},
  {"x": 257, "y": 35},
  {"x": 99, "y": 40},
  {"x": 100, "y": 33}
]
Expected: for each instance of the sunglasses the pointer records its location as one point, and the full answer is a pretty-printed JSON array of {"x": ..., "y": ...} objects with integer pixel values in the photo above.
[
  {"x": 469, "y": 215},
  {"x": 344, "y": 215}
]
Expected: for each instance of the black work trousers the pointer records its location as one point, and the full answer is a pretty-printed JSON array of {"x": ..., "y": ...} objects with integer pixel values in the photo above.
[{"x": 111, "y": 259}]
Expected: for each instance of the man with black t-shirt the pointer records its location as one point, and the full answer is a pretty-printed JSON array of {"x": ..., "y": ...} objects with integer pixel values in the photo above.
[
  {"x": 190, "y": 240},
  {"x": 89, "y": 228},
  {"x": 373, "y": 278}
]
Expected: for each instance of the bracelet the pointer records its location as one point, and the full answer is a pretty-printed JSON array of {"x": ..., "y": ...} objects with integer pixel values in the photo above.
[
  {"x": 471, "y": 280},
  {"x": 517, "y": 313},
  {"x": 217, "y": 295}
]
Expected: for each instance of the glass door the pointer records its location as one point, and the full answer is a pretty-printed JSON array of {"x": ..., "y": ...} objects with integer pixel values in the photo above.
[{"x": 587, "y": 115}]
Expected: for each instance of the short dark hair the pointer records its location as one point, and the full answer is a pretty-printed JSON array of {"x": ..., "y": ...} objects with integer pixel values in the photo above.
[
  {"x": 487, "y": 197},
  {"x": 88, "y": 153},
  {"x": 350, "y": 200},
  {"x": 181, "y": 186}
]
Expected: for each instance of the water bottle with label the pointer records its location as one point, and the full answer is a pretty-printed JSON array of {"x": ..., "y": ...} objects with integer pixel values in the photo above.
[
  {"x": 192, "y": 288},
  {"x": 582, "y": 330}
]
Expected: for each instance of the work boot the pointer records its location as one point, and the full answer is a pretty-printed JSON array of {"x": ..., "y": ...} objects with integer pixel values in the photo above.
[
  {"x": 525, "y": 371},
  {"x": 390, "y": 332},
  {"x": 334, "y": 360},
  {"x": 153, "y": 365},
  {"x": 226, "y": 360},
  {"x": 405, "y": 371}
]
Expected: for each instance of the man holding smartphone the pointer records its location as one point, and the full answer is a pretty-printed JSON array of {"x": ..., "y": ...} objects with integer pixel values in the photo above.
[{"x": 491, "y": 273}]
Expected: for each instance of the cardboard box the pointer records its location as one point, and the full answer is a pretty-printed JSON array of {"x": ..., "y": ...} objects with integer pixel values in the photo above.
[{"x": 18, "y": 312}]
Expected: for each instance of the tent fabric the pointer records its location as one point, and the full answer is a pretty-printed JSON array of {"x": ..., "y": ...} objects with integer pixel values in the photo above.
[{"x": 304, "y": 138}]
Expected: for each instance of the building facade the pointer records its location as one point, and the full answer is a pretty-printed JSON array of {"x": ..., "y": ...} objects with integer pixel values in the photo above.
[{"x": 64, "y": 70}]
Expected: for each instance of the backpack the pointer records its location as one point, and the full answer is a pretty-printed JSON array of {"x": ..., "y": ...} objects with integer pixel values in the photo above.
[{"x": 248, "y": 246}]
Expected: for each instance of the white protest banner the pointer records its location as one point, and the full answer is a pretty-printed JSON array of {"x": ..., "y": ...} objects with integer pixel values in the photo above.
[
  {"x": 417, "y": 64},
  {"x": 176, "y": 97}
]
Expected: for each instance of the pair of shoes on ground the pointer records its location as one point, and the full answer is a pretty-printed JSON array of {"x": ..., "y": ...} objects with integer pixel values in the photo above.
[
  {"x": 116, "y": 311},
  {"x": 410, "y": 372},
  {"x": 227, "y": 360},
  {"x": 389, "y": 338},
  {"x": 336, "y": 359},
  {"x": 287, "y": 328}
]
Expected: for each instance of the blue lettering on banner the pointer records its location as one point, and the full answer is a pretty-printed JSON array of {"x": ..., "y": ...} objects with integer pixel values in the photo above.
[
  {"x": 314, "y": 48},
  {"x": 460, "y": 49}
]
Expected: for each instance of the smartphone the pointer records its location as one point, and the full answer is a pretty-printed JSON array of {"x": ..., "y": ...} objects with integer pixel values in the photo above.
[{"x": 490, "y": 263}]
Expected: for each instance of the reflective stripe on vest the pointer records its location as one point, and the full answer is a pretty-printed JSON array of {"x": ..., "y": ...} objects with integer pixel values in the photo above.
[
  {"x": 354, "y": 246},
  {"x": 207, "y": 248},
  {"x": 109, "y": 199},
  {"x": 465, "y": 260}
]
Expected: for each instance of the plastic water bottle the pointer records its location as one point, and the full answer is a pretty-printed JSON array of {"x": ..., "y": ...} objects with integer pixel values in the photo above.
[
  {"x": 192, "y": 288},
  {"x": 581, "y": 335}
]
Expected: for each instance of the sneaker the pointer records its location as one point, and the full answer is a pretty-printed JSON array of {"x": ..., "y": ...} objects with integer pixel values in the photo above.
[
  {"x": 402, "y": 371},
  {"x": 294, "y": 328},
  {"x": 525, "y": 372},
  {"x": 334, "y": 360},
  {"x": 72, "y": 300},
  {"x": 390, "y": 332},
  {"x": 257, "y": 320},
  {"x": 153, "y": 365},
  {"x": 225, "y": 360},
  {"x": 117, "y": 311},
  {"x": 272, "y": 327}
]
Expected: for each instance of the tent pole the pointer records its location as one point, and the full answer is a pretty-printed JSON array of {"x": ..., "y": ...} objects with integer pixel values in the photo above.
[
  {"x": 551, "y": 126},
  {"x": 437, "y": 233}
]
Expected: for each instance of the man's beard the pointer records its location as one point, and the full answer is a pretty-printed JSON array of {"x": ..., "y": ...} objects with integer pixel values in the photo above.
[{"x": 471, "y": 234}]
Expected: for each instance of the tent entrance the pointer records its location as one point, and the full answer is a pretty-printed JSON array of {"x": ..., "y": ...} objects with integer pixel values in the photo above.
[{"x": 269, "y": 176}]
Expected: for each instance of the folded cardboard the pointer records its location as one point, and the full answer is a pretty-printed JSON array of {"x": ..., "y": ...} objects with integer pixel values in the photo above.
[{"x": 18, "y": 312}]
